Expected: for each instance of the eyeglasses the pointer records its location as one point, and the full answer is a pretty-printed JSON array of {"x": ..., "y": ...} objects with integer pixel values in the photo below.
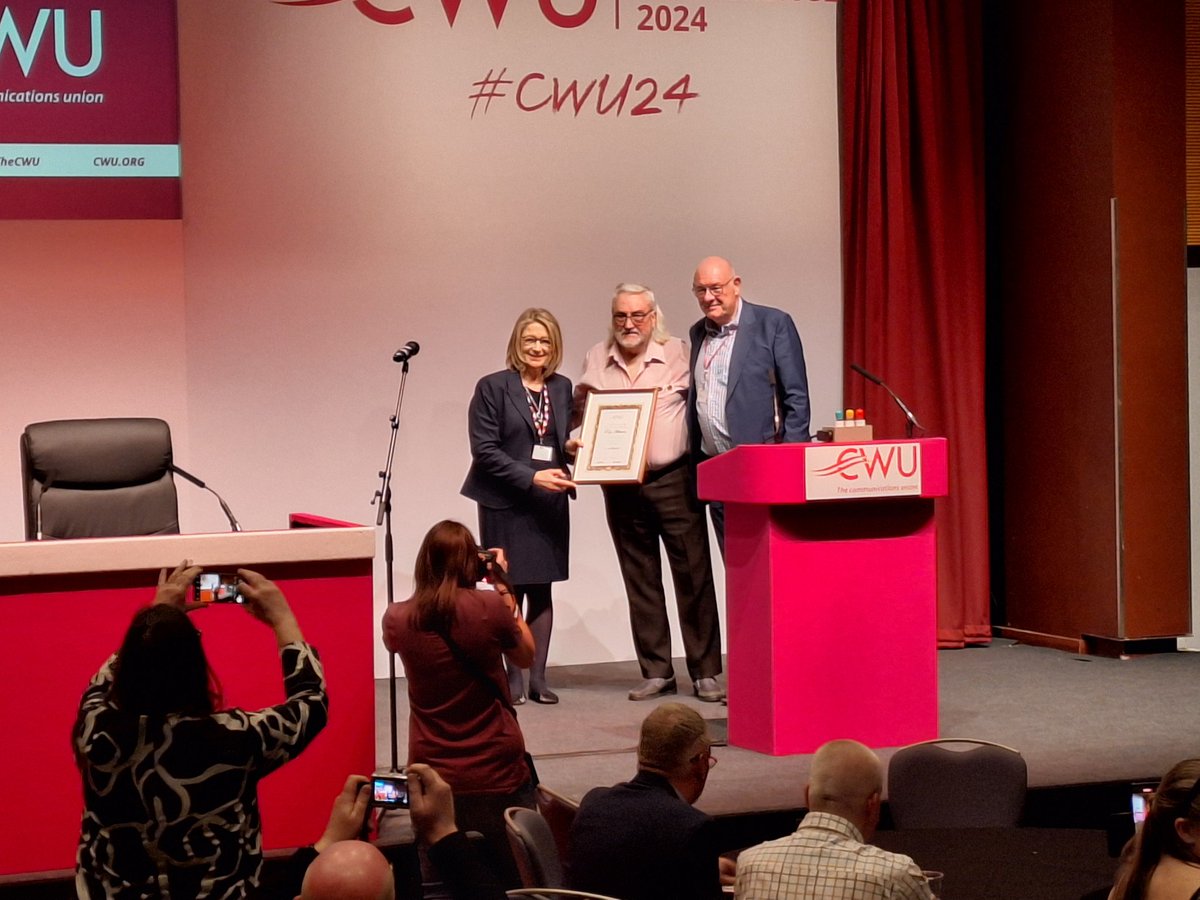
[
  {"x": 715, "y": 289},
  {"x": 636, "y": 318},
  {"x": 705, "y": 755},
  {"x": 536, "y": 342}
]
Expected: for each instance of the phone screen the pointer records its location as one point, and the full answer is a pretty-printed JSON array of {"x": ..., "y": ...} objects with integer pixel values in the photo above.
[
  {"x": 1139, "y": 803},
  {"x": 218, "y": 587},
  {"x": 390, "y": 792}
]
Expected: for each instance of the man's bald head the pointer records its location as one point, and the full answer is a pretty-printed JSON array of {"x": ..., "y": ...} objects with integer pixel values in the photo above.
[
  {"x": 846, "y": 779},
  {"x": 349, "y": 870}
]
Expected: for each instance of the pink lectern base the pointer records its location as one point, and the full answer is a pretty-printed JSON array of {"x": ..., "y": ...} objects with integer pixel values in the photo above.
[{"x": 835, "y": 632}]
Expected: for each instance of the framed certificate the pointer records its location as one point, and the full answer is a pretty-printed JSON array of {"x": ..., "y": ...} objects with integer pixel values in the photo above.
[{"x": 615, "y": 437}]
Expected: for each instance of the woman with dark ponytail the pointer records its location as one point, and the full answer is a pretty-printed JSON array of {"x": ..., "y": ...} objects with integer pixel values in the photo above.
[{"x": 1164, "y": 857}]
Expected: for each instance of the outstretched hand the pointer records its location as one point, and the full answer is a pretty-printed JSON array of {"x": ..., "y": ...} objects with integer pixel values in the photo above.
[
  {"x": 266, "y": 602},
  {"x": 173, "y": 588}
]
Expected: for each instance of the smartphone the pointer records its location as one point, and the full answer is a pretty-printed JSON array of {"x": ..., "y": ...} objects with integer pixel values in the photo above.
[
  {"x": 389, "y": 791},
  {"x": 486, "y": 558},
  {"x": 1139, "y": 803},
  {"x": 218, "y": 587}
]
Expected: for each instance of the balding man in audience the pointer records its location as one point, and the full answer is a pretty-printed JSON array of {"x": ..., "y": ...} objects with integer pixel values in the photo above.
[
  {"x": 338, "y": 867},
  {"x": 828, "y": 857},
  {"x": 643, "y": 840},
  {"x": 349, "y": 870}
]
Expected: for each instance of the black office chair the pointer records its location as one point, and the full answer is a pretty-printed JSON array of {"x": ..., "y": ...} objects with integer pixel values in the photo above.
[
  {"x": 85, "y": 478},
  {"x": 533, "y": 848},
  {"x": 930, "y": 786}
]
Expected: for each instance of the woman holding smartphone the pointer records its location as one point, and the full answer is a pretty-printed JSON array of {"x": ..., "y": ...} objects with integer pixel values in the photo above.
[
  {"x": 170, "y": 780},
  {"x": 452, "y": 640},
  {"x": 518, "y": 421}
]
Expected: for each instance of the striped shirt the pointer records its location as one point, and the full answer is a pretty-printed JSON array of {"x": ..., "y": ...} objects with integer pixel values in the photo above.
[
  {"x": 711, "y": 377},
  {"x": 826, "y": 859}
]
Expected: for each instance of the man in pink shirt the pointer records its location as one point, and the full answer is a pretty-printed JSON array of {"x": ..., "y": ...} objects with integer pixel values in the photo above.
[{"x": 641, "y": 354}]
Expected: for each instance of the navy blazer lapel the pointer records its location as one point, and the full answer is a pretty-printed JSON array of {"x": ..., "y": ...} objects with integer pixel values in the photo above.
[
  {"x": 747, "y": 333},
  {"x": 514, "y": 390},
  {"x": 560, "y": 403}
]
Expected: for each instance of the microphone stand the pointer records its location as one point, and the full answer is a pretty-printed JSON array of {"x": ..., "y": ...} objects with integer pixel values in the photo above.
[
  {"x": 910, "y": 419},
  {"x": 383, "y": 497},
  {"x": 234, "y": 524}
]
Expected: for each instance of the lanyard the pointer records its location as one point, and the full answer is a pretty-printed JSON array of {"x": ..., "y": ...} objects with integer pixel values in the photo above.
[
  {"x": 717, "y": 342},
  {"x": 539, "y": 410}
]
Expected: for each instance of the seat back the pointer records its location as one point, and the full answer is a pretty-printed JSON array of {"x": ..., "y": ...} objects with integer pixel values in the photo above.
[
  {"x": 930, "y": 785},
  {"x": 85, "y": 478},
  {"x": 559, "y": 812},
  {"x": 533, "y": 848},
  {"x": 545, "y": 893}
]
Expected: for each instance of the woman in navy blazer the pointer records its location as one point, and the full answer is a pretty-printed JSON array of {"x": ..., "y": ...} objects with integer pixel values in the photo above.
[{"x": 518, "y": 423}]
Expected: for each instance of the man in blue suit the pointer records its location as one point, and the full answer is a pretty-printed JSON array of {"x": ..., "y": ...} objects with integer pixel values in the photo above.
[{"x": 748, "y": 380}]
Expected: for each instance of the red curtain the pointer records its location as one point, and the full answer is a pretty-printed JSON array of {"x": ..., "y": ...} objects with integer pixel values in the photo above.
[{"x": 913, "y": 245}]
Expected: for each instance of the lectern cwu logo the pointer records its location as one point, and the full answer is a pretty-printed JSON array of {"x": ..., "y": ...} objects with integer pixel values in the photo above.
[
  {"x": 854, "y": 471},
  {"x": 384, "y": 16}
]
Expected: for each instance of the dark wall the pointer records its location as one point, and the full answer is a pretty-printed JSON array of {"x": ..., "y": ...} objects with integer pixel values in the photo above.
[{"x": 1085, "y": 104}]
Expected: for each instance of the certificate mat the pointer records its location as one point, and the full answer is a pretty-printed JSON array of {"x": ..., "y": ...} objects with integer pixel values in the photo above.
[{"x": 615, "y": 437}]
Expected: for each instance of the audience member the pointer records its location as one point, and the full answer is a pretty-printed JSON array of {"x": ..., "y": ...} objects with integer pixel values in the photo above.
[
  {"x": 317, "y": 873},
  {"x": 170, "y": 785},
  {"x": 827, "y": 857},
  {"x": 1163, "y": 859},
  {"x": 349, "y": 870},
  {"x": 451, "y": 639},
  {"x": 643, "y": 840}
]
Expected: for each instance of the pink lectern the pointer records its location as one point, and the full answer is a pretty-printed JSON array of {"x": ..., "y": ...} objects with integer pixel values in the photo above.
[{"x": 831, "y": 591}]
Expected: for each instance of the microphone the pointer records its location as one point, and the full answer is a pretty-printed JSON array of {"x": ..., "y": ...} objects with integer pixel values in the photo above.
[
  {"x": 875, "y": 379},
  {"x": 233, "y": 522},
  {"x": 910, "y": 419},
  {"x": 407, "y": 352}
]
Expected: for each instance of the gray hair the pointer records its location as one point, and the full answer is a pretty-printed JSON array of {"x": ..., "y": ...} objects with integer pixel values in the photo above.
[{"x": 660, "y": 333}]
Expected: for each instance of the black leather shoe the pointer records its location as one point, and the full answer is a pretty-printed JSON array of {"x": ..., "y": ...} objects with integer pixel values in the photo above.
[
  {"x": 653, "y": 687},
  {"x": 708, "y": 690},
  {"x": 545, "y": 695},
  {"x": 518, "y": 700}
]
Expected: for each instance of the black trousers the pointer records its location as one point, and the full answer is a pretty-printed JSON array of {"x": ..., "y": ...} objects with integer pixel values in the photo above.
[{"x": 664, "y": 508}]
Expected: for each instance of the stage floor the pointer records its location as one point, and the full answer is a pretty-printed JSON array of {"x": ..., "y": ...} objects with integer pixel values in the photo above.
[{"x": 1077, "y": 720}]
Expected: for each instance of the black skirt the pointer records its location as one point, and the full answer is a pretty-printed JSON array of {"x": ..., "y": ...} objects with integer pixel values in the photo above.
[{"x": 535, "y": 535}]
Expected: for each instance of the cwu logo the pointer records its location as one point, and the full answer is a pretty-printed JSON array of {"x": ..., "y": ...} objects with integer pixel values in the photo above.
[
  {"x": 25, "y": 47},
  {"x": 854, "y": 463},
  {"x": 383, "y": 16}
]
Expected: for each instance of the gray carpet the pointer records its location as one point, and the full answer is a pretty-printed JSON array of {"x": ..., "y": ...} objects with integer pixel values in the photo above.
[{"x": 1077, "y": 720}]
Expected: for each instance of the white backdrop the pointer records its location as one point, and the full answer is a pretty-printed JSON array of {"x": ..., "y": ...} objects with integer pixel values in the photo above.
[{"x": 340, "y": 199}]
